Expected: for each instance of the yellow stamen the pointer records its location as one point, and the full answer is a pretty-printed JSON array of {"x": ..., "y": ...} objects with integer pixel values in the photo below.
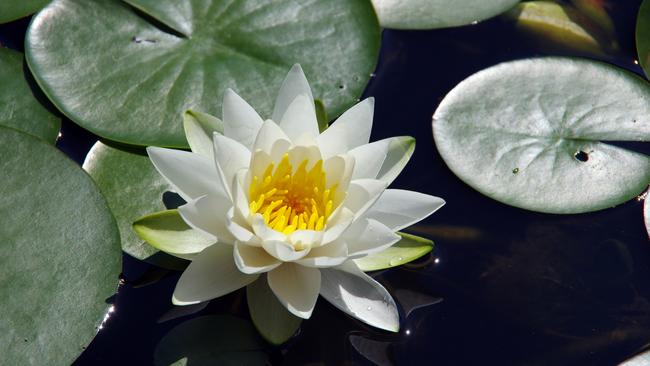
[{"x": 292, "y": 199}]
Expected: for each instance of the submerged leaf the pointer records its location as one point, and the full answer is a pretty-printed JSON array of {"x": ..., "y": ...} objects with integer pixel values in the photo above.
[
  {"x": 272, "y": 320},
  {"x": 643, "y": 36},
  {"x": 527, "y": 133},
  {"x": 646, "y": 213},
  {"x": 408, "y": 249},
  {"x": 562, "y": 26},
  {"x": 211, "y": 340}
]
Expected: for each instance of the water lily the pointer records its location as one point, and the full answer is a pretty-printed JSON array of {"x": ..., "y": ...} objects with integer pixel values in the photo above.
[{"x": 277, "y": 197}]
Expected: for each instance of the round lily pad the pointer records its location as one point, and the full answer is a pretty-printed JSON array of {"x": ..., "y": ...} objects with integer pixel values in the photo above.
[
  {"x": 643, "y": 36},
  {"x": 142, "y": 65},
  {"x": 132, "y": 188},
  {"x": 19, "y": 108},
  {"x": 60, "y": 254},
  {"x": 429, "y": 14},
  {"x": 12, "y": 10},
  {"x": 528, "y": 133}
]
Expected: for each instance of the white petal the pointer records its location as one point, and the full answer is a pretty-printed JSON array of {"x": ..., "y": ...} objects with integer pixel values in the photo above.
[
  {"x": 305, "y": 238},
  {"x": 398, "y": 208},
  {"x": 191, "y": 175},
  {"x": 355, "y": 293},
  {"x": 212, "y": 274},
  {"x": 199, "y": 128},
  {"x": 231, "y": 156},
  {"x": 239, "y": 230},
  {"x": 300, "y": 153},
  {"x": 240, "y": 198},
  {"x": 368, "y": 159},
  {"x": 272, "y": 140},
  {"x": 283, "y": 250},
  {"x": 299, "y": 121},
  {"x": 207, "y": 214},
  {"x": 362, "y": 194},
  {"x": 400, "y": 150},
  {"x": 253, "y": 259},
  {"x": 340, "y": 221},
  {"x": 338, "y": 170},
  {"x": 350, "y": 130},
  {"x": 296, "y": 287},
  {"x": 241, "y": 122},
  {"x": 329, "y": 255},
  {"x": 368, "y": 236},
  {"x": 293, "y": 85}
]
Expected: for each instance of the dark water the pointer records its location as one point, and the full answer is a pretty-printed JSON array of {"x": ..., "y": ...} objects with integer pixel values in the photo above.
[{"x": 518, "y": 287}]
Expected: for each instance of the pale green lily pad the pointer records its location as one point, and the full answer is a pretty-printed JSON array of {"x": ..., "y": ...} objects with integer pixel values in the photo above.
[
  {"x": 561, "y": 26},
  {"x": 60, "y": 259},
  {"x": 133, "y": 188},
  {"x": 272, "y": 320},
  {"x": 167, "y": 231},
  {"x": 527, "y": 133},
  {"x": 211, "y": 340},
  {"x": 408, "y": 249},
  {"x": 430, "y": 14},
  {"x": 643, "y": 36},
  {"x": 19, "y": 108},
  {"x": 134, "y": 78},
  {"x": 11, "y": 10}
]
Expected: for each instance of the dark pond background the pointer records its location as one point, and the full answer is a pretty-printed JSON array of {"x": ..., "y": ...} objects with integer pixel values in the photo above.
[{"x": 518, "y": 287}]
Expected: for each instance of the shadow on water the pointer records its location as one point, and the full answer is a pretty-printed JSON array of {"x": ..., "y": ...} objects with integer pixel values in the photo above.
[{"x": 519, "y": 287}]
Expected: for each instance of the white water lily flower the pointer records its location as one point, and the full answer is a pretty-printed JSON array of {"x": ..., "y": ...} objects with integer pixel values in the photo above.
[{"x": 277, "y": 197}]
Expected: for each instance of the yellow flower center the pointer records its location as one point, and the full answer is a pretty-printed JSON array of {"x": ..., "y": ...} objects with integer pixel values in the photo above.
[{"x": 291, "y": 200}]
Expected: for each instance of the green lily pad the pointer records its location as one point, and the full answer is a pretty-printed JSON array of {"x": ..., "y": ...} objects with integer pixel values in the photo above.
[
  {"x": 527, "y": 133},
  {"x": 132, "y": 188},
  {"x": 408, "y": 249},
  {"x": 430, "y": 14},
  {"x": 561, "y": 26},
  {"x": 135, "y": 77},
  {"x": 60, "y": 259},
  {"x": 643, "y": 36},
  {"x": 211, "y": 340},
  {"x": 19, "y": 108},
  {"x": 272, "y": 320},
  {"x": 11, "y": 10}
]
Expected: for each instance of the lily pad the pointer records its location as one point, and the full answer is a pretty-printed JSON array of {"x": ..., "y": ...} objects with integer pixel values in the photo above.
[
  {"x": 141, "y": 69},
  {"x": 430, "y": 14},
  {"x": 211, "y": 340},
  {"x": 11, "y": 10},
  {"x": 408, "y": 249},
  {"x": 643, "y": 36},
  {"x": 60, "y": 254},
  {"x": 19, "y": 108},
  {"x": 528, "y": 133},
  {"x": 132, "y": 188},
  {"x": 272, "y": 320}
]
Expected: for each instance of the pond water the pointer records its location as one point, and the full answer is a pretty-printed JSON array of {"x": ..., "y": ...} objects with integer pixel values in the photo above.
[{"x": 517, "y": 287}]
